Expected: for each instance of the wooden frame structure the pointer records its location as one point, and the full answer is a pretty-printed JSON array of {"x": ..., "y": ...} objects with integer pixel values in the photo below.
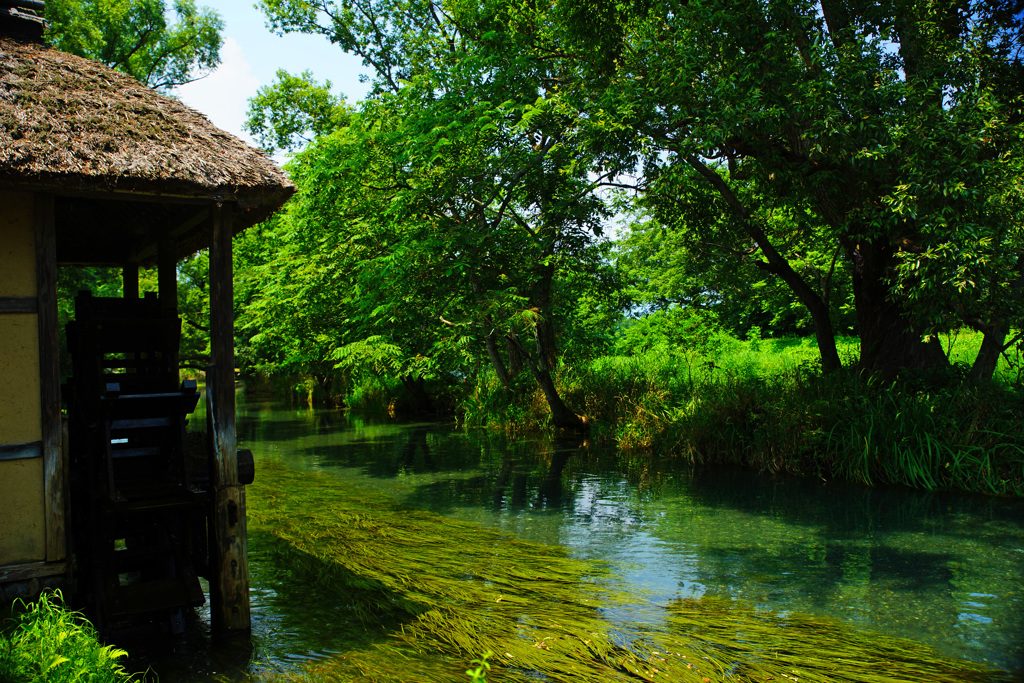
[{"x": 89, "y": 190}]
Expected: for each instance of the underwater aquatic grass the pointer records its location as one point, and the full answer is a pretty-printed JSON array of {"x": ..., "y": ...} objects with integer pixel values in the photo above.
[
  {"x": 43, "y": 641},
  {"x": 447, "y": 591}
]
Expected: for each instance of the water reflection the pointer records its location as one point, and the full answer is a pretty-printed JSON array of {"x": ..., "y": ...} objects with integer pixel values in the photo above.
[{"x": 942, "y": 569}]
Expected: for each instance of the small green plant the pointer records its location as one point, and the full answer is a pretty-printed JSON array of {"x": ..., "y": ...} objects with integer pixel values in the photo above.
[
  {"x": 479, "y": 674},
  {"x": 43, "y": 641}
]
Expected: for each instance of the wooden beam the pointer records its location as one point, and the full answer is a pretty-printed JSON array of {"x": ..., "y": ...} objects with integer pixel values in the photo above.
[
  {"x": 229, "y": 587},
  {"x": 18, "y": 304},
  {"x": 108, "y": 194},
  {"x": 146, "y": 254},
  {"x": 55, "y": 481},
  {"x": 21, "y": 451},
  {"x": 32, "y": 570}
]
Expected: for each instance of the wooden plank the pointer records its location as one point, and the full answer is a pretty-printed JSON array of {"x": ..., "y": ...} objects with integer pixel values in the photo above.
[
  {"x": 222, "y": 346},
  {"x": 19, "y": 304},
  {"x": 32, "y": 570},
  {"x": 21, "y": 451},
  {"x": 54, "y": 466},
  {"x": 108, "y": 195},
  {"x": 229, "y": 587},
  {"x": 130, "y": 281}
]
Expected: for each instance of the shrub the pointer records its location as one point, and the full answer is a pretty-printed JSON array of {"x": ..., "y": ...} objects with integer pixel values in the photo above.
[{"x": 43, "y": 641}]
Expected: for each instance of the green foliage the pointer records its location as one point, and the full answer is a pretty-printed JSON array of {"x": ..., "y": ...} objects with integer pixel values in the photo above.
[
  {"x": 293, "y": 111},
  {"x": 694, "y": 263},
  {"x": 789, "y": 169},
  {"x": 134, "y": 36},
  {"x": 683, "y": 330},
  {"x": 447, "y": 213},
  {"x": 764, "y": 403},
  {"x": 837, "y": 148},
  {"x": 194, "y": 309},
  {"x": 479, "y": 674},
  {"x": 43, "y": 641}
]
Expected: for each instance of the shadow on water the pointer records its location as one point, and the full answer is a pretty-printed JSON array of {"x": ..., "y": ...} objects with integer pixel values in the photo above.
[
  {"x": 842, "y": 508},
  {"x": 304, "y": 610}
]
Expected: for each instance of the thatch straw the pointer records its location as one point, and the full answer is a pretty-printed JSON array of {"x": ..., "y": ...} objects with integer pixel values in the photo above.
[{"x": 71, "y": 124}]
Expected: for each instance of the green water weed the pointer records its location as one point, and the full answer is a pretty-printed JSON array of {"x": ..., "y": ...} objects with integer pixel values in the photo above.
[
  {"x": 479, "y": 674},
  {"x": 454, "y": 589}
]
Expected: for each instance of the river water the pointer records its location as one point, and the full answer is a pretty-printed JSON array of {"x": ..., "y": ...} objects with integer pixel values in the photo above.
[{"x": 942, "y": 569}]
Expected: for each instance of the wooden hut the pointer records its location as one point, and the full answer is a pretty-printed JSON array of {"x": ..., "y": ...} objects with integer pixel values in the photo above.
[{"x": 96, "y": 169}]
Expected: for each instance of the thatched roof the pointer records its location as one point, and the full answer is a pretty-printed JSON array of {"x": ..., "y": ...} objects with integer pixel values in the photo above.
[{"x": 73, "y": 126}]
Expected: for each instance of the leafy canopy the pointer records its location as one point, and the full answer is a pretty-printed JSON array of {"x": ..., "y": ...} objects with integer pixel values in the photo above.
[{"x": 135, "y": 37}]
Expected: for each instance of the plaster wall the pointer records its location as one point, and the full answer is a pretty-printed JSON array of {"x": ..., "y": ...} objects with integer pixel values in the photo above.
[
  {"x": 20, "y": 418},
  {"x": 22, "y": 507},
  {"x": 17, "y": 245},
  {"x": 23, "y": 530}
]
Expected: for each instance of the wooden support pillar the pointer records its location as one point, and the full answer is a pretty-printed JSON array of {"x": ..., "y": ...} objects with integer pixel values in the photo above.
[
  {"x": 229, "y": 587},
  {"x": 130, "y": 281},
  {"x": 167, "y": 275},
  {"x": 54, "y": 462}
]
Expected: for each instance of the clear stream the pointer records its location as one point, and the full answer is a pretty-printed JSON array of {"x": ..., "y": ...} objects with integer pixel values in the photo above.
[{"x": 943, "y": 569}]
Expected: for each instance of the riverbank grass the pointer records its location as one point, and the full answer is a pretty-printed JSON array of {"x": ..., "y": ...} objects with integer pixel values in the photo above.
[
  {"x": 44, "y": 641},
  {"x": 765, "y": 404}
]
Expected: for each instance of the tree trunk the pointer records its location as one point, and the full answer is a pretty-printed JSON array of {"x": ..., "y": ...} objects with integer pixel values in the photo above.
[
  {"x": 561, "y": 416},
  {"x": 515, "y": 359},
  {"x": 778, "y": 265},
  {"x": 496, "y": 362},
  {"x": 993, "y": 342},
  {"x": 985, "y": 362},
  {"x": 889, "y": 341},
  {"x": 544, "y": 328}
]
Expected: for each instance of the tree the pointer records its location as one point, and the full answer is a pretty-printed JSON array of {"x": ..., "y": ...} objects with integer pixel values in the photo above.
[
  {"x": 293, "y": 111},
  {"x": 133, "y": 36},
  {"x": 194, "y": 309},
  {"x": 887, "y": 134},
  {"x": 679, "y": 250},
  {"x": 461, "y": 163}
]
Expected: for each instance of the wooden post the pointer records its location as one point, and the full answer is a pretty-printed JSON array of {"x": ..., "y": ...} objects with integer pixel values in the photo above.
[
  {"x": 130, "y": 281},
  {"x": 49, "y": 378},
  {"x": 229, "y": 587},
  {"x": 167, "y": 283},
  {"x": 167, "y": 275}
]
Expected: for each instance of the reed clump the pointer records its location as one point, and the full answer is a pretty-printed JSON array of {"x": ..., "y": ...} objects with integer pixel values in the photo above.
[{"x": 441, "y": 593}]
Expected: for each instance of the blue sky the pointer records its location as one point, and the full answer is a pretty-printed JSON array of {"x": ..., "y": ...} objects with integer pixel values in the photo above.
[{"x": 249, "y": 59}]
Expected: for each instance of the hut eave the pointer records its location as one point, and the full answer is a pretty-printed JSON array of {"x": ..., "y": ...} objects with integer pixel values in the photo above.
[{"x": 75, "y": 128}]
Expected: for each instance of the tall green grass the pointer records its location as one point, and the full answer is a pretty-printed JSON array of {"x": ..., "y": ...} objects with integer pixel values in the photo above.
[
  {"x": 765, "y": 404},
  {"x": 43, "y": 641}
]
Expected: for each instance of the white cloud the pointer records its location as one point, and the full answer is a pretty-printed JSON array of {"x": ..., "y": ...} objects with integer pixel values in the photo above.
[{"x": 223, "y": 95}]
